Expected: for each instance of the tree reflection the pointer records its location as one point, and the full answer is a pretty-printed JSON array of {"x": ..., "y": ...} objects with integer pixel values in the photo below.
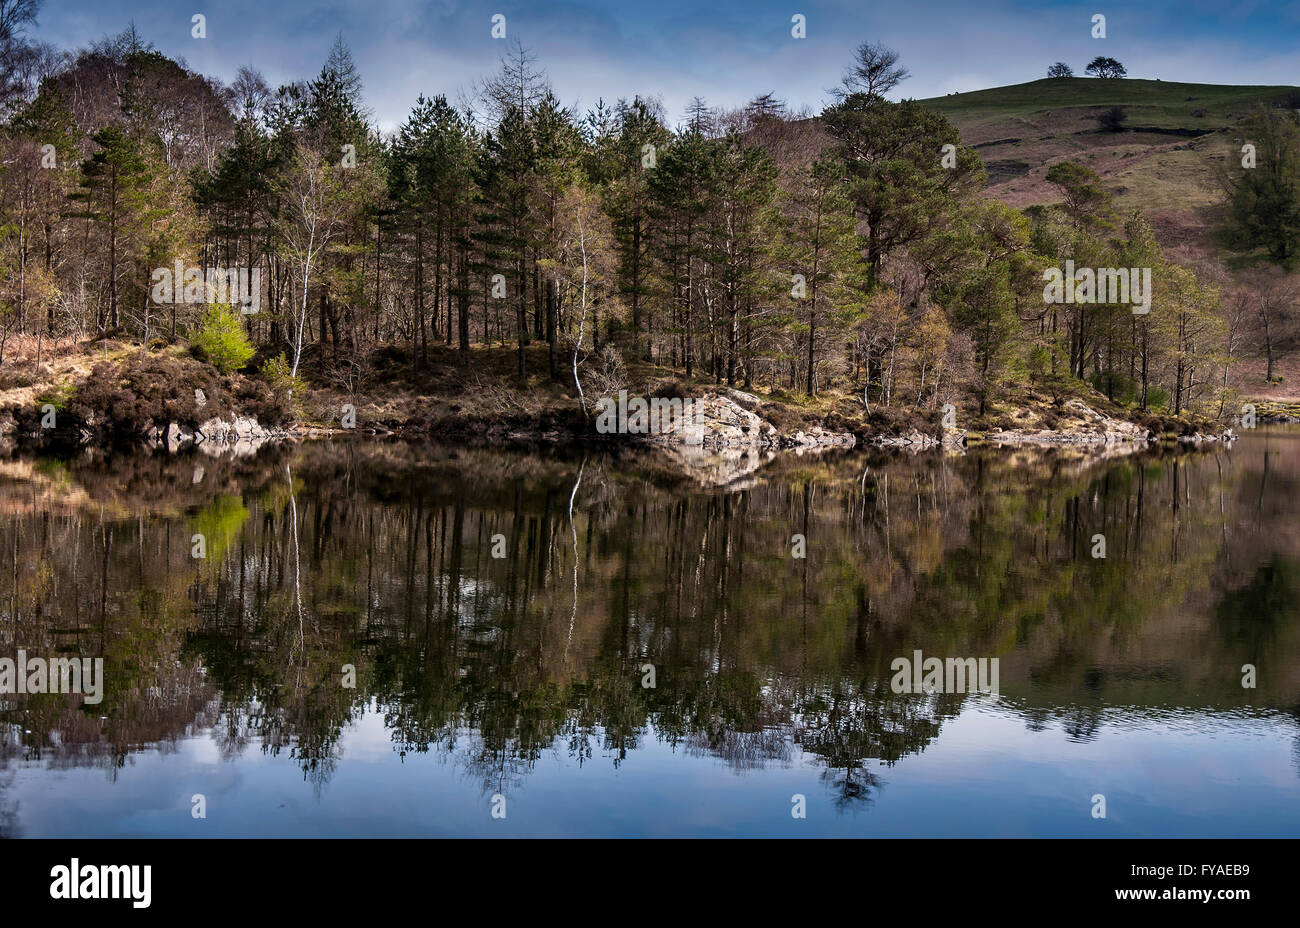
[{"x": 381, "y": 557}]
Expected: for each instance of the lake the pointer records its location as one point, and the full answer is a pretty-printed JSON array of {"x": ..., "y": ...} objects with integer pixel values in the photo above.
[{"x": 392, "y": 639}]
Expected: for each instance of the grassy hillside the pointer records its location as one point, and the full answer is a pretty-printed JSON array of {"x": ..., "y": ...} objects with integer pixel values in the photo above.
[
  {"x": 1163, "y": 161},
  {"x": 1166, "y": 104}
]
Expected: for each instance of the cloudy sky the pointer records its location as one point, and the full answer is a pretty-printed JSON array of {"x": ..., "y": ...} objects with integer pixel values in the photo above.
[{"x": 726, "y": 51}]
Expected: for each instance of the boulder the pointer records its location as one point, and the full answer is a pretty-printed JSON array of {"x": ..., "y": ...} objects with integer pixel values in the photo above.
[{"x": 176, "y": 437}]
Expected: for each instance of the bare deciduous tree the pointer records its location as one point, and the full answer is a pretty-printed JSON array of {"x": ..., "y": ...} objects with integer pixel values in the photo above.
[
  {"x": 519, "y": 84},
  {"x": 314, "y": 208},
  {"x": 1276, "y": 297},
  {"x": 875, "y": 71}
]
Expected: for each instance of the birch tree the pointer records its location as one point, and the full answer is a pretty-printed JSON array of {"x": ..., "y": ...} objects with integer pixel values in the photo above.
[{"x": 313, "y": 209}]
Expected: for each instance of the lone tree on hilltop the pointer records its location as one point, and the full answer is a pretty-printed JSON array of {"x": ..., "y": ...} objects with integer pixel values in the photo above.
[
  {"x": 1060, "y": 69},
  {"x": 1101, "y": 66}
]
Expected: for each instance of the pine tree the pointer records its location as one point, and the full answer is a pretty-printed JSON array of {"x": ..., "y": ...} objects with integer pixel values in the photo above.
[
  {"x": 114, "y": 190},
  {"x": 822, "y": 248}
]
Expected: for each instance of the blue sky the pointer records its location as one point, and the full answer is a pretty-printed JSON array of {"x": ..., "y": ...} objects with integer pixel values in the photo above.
[{"x": 726, "y": 51}]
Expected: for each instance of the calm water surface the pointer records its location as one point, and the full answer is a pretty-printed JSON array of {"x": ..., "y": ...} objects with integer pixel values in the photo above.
[{"x": 521, "y": 675}]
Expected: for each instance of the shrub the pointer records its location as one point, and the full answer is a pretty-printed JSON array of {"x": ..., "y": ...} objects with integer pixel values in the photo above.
[
  {"x": 605, "y": 375},
  {"x": 275, "y": 401},
  {"x": 1112, "y": 119},
  {"x": 279, "y": 374},
  {"x": 783, "y": 417},
  {"x": 222, "y": 340},
  {"x": 58, "y": 396},
  {"x": 13, "y": 377},
  {"x": 669, "y": 389},
  {"x": 125, "y": 401},
  {"x": 885, "y": 420}
]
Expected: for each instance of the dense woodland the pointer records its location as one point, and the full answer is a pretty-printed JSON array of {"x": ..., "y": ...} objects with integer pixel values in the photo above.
[{"x": 772, "y": 250}]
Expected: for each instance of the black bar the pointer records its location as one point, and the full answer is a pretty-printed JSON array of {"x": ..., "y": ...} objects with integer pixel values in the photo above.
[{"x": 338, "y": 877}]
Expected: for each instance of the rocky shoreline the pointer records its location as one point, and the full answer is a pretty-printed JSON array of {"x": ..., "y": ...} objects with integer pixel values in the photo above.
[
  {"x": 724, "y": 424},
  {"x": 241, "y": 435},
  {"x": 730, "y": 420}
]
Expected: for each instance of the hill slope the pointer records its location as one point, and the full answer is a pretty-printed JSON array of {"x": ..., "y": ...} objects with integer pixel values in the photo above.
[{"x": 1163, "y": 161}]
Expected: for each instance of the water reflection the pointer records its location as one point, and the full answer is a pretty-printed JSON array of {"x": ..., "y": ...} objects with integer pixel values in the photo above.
[{"x": 500, "y": 612}]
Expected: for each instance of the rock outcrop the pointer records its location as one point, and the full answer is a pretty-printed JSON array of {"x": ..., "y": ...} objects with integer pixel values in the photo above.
[
  {"x": 917, "y": 439},
  {"x": 730, "y": 420},
  {"x": 720, "y": 439},
  {"x": 239, "y": 435},
  {"x": 1095, "y": 428}
]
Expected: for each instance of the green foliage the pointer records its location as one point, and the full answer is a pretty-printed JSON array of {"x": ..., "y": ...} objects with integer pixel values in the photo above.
[
  {"x": 820, "y": 244},
  {"x": 1087, "y": 204},
  {"x": 59, "y": 396},
  {"x": 219, "y": 524},
  {"x": 897, "y": 176},
  {"x": 222, "y": 339},
  {"x": 1263, "y": 214},
  {"x": 620, "y": 161},
  {"x": 118, "y": 197},
  {"x": 278, "y": 373}
]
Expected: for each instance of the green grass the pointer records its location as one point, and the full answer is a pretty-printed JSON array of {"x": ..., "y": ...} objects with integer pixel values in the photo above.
[{"x": 1161, "y": 104}]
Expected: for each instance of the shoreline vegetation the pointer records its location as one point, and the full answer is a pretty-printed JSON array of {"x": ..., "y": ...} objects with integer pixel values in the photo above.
[
  {"x": 248, "y": 263},
  {"x": 147, "y": 400}
]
